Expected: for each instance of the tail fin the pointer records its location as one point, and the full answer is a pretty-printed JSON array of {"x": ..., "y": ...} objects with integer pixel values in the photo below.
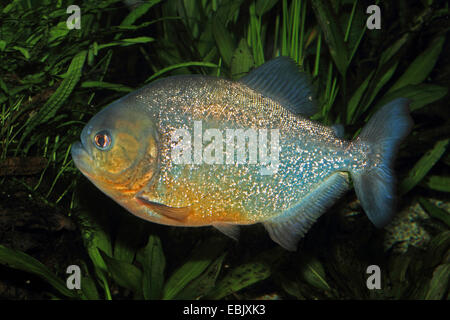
[{"x": 375, "y": 186}]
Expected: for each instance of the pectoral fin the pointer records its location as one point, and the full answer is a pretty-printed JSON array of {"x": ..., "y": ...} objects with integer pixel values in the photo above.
[{"x": 179, "y": 214}]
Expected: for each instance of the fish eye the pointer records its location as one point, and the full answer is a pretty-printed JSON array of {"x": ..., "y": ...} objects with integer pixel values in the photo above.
[{"x": 102, "y": 140}]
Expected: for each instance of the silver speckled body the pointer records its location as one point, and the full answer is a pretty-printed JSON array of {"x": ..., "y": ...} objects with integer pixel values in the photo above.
[{"x": 309, "y": 154}]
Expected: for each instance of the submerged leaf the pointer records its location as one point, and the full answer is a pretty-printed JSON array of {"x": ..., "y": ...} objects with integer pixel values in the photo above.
[
  {"x": 153, "y": 264},
  {"x": 438, "y": 183},
  {"x": 420, "y": 95},
  {"x": 125, "y": 274},
  {"x": 438, "y": 286},
  {"x": 333, "y": 33},
  {"x": 198, "y": 262},
  {"x": 245, "y": 275},
  {"x": 242, "y": 60},
  {"x": 424, "y": 165},
  {"x": 204, "y": 283},
  {"x": 312, "y": 272},
  {"x": 434, "y": 211},
  {"x": 421, "y": 67},
  {"x": 21, "y": 261}
]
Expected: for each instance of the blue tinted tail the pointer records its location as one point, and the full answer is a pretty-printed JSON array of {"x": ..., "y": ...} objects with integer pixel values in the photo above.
[{"x": 375, "y": 186}]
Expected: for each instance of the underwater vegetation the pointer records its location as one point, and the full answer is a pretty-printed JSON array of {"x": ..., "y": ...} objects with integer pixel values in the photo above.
[{"x": 53, "y": 79}]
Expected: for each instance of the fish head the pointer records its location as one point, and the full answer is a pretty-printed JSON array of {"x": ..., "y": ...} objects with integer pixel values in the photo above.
[{"x": 118, "y": 151}]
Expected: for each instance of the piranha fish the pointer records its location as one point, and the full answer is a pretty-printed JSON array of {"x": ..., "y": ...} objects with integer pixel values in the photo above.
[{"x": 175, "y": 153}]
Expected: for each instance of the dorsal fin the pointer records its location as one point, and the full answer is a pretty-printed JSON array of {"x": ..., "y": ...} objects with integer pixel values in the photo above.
[{"x": 281, "y": 80}]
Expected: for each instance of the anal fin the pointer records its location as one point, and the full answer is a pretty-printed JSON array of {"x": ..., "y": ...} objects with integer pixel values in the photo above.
[
  {"x": 288, "y": 228},
  {"x": 231, "y": 230}
]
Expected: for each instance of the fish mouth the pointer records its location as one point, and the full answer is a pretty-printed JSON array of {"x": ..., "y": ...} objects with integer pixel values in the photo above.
[{"x": 81, "y": 157}]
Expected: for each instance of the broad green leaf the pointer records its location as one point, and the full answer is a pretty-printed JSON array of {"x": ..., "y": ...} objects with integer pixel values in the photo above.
[
  {"x": 439, "y": 283},
  {"x": 312, "y": 272},
  {"x": 58, "y": 32},
  {"x": 21, "y": 261},
  {"x": 437, "y": 248},
  {"x": 333, "y": 34},
  {"x": 224, "y": 41},
  {"x": 421, "y": 67},
  {"x": 242, "y": 61},
  {"x": 89, "y": 289},
  {"x": 153, "y": 263},
  {"x": 198, "y": 262},
  {"x": 379, "y": 83},
  {"x": 204, "y": 283},
  {"x": 421, "y": 168},
  {"x": 106, "y": 85},
  {"x": 438, "y": 183},
  {"x": 353, "y": 103},
  {"x": 420, "y": 95},
  {"x": 434, "y": 211},
  {"x": 387, "y": 54},
  {"x": 239, "y": 278},
  {"x": 124, "y": 274},
  {"x": 245, "y": 274},
  {"x": 398, "y": 267}
]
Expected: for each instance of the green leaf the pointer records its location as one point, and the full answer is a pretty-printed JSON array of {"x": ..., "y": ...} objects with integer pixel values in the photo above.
[
  {"x": 89, "y": 288},
  {"x": 181, "y": 65},
  {"x": 106, "y": 85},
  {"x": 434, "y": 211},
  {"x": 198, "y": 262},
  {"x": 356, "y": 98},
  {"x": 135, "y": 14},
  {"x": 23, "y": 51},
  {"x": 126, "y": 42},
  {"x": 437, "y": 248},
  {"x": 263, "y": 6},
  {"x": 333, "y": 34},
  {"x": 398, "y": 267},
  {"x": 138, "y": 12},
  {"x": 95, "y": 238},
  {"x": 421, "y": 168},
  {"x": 438, "y": 183},
  {"x": 53, "y": 104},
  {"x": 124, "y": 274},
  {"x": 421, "y": 67},
  {"x": 242, "y": 61},
  {"x": 153, "y": 263},
  {"x": 224, "y": 41},
  {"x": 204, "y": 283},
  {"x": 245, "y": 275},
  {"x": 420, "y": 95},
  {"x": 379, "y": 83},
  {"x": 312, "y": 272},
  {"x": 21, "y": 261},
  {"x": 438, "y": 286}
]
